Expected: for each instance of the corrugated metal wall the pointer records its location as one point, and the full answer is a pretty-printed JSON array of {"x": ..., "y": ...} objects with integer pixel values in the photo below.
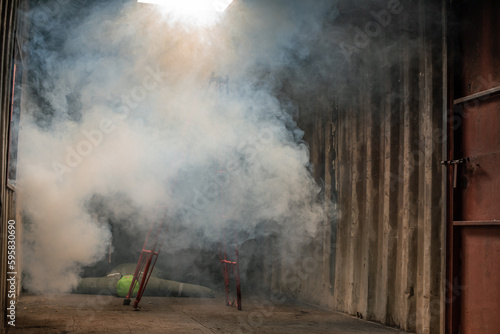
[
  {"x": 8, "y": 11},
  {"x": 378, "y": 150},
  {"x": 376, "y": 143}
]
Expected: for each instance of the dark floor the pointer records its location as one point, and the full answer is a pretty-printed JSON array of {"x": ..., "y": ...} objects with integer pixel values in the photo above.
[{"x": 106, "y": 314}]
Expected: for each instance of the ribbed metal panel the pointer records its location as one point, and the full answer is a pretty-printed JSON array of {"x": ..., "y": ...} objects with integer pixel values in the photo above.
[
  {"x": 387, "y": 181},
  {"x": 8, "y": 10}
]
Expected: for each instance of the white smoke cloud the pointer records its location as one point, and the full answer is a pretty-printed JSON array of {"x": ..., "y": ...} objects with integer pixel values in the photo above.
[{"x": 122, "y": 104}]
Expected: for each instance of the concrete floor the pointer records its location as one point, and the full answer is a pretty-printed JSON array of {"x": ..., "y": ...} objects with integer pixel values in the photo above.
[{"x": 106, "y": 314}]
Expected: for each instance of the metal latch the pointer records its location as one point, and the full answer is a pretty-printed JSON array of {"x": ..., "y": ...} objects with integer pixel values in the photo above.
[{"x": 454, "y": 163}]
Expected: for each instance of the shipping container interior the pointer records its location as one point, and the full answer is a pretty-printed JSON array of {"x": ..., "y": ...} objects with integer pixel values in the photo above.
[{"x": 340, "y": 154}]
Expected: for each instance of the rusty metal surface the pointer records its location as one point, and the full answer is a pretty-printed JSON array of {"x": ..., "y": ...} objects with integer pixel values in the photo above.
[
  {"x": 476, "y": 214},
  {"x": 480, "y": 177},
  {"x": 480, "y": 280},
  {"x": 479, "y": 47}
]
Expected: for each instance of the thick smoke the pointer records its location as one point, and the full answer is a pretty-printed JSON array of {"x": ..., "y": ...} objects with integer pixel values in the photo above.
[{"x": 124, "y": 121}]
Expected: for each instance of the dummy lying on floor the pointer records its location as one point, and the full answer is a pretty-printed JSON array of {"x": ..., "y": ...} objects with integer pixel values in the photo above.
[{"x": 118, "y": 281}]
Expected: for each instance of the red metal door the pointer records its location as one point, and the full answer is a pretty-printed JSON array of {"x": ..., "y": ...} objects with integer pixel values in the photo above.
[{"x": 474, "y": 271}]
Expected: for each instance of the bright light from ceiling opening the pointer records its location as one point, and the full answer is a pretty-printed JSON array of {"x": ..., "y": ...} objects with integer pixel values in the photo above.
[
  {"x": 221, "y": 5},
  {"x": 198, "y": 12}
]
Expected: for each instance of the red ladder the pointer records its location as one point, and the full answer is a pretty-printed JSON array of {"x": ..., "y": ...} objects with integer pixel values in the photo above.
[
  {"x": 227, "y": 265},
  {"x": 147, "y": 261}
]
